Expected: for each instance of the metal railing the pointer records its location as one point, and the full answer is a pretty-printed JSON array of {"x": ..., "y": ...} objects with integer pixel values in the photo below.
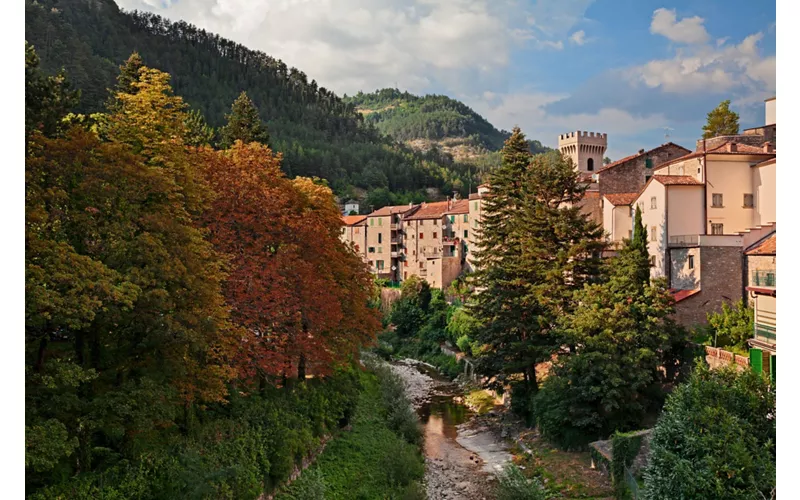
[
  {"x": 684, "y": 239},
  {"x": 763, "y": 277}
]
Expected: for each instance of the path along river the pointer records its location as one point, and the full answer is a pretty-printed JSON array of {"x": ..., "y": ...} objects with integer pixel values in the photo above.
[{"x": 461, "y": 457}]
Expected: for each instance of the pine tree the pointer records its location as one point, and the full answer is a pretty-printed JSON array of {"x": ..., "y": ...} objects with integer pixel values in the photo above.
[
  {"x": 47, "y": 98},
  {"x": 721, "y": 121},
  {"x": 198, "y": 132},
  {"x": 536, "y": 249},
  {"x": 634, "y": 254},
  {"x": 129, "y": 74},
  {"x": 244, "y": 124}
]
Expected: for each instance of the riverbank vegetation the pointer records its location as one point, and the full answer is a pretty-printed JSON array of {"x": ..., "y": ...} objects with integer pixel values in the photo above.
[
  {"x": 183, "y": 339},
  {"x": 380, "y": 457}
]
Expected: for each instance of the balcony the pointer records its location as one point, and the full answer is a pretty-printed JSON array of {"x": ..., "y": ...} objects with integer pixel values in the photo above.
[
  {"x": 705, "y": 240},
  {"x": 763, "y": 278},
  {"x": 394, "y": 226}
]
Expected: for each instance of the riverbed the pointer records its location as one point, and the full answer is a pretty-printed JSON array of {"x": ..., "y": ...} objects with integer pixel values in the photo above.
[{"x": 461, "y": 457}]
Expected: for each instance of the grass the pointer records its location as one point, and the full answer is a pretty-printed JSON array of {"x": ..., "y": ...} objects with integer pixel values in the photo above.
[
  {"x": 564, "y": 474},
  {"x": 480, "y": 401},
  {"x": 371, "y": 461}
]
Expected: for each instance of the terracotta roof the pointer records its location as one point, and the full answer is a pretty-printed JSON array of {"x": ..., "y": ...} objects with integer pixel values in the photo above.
[
  {"x": 741, "y": 149},
  {"x": 766, "y": 246},
  {"x": 459, "y": 207},
  {"x": 351, "y": 220},
  {"x": 680, "y": 295},
  {"x": 433, "y": 210},
  {"x": 637, "y": 155},
  {"x": 391, "y": 210},
  {"x": 475, "y": 196},
  {"x": 619, "y": 199},
  {"x": 591, "y": 194},
  {"x": 677, "y": 180}
]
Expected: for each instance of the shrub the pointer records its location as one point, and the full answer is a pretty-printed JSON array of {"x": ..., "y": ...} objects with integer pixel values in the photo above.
[
  {"x": 513, "y": 485},
  {"x": 715, "y": 438},
  {"x": 464, "y": 345},
  {"x": 309, "y": 486},
  {"x": 480, "y": 401},
  {"x": 732, "y": 326},
  {"x": 557, "y": 418}
]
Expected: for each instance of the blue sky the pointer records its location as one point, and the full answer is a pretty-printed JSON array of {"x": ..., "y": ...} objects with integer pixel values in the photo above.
[{"x": 628, "y": 68}]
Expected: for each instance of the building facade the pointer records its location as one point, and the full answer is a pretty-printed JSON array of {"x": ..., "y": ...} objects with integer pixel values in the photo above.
[
  {"x": 354, "y": 233},
  {"x": 586, "y": 149},
  {"x": 630, "y": 174},
  {"x": 385, "y": 240},
  {"x": 762, "y": 294}
]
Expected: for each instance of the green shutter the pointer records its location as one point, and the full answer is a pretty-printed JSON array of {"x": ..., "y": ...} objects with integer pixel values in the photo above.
[
  {"x": 648, "y": 163},
  {"x": 372, "y": 222},
  {"x": 772, "y": 367},
  {"x": 756, "y": 361},
  {"x": 466, "y": 218}
]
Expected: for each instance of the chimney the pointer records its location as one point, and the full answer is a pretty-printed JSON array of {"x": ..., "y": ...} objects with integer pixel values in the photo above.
[
  {"x": 732, "y": 147},
  {"x": 768, "y": 147}
]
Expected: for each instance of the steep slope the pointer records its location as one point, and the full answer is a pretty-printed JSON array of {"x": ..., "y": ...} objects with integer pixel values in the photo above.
[
  {"x": 432, "y": 120},
  {"x": 318, "y": 133}
]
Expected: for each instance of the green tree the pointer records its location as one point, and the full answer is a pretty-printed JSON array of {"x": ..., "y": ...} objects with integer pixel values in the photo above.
[
  {"x": 244, "y": 124},
  {"x": 198, "y": 132},
  {"x": 636, "y": 253},
  {"x": 536, "y": 249},
  {"x": 47, "y": 98},
  {"x": 731, "y": 326},
  {"x": 715, "y": 439},
  {"x": 721, "y": 121},
  {"x": 129, "y": 74},
  {"x": 606, "y": 160}
]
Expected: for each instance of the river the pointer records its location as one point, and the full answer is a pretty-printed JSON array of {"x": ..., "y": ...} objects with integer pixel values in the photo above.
[{"x": 461, "y": 457}]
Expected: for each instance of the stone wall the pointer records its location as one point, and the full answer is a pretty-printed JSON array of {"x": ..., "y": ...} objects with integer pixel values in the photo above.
[
  {"x": 720, "y": 281},
  {"x": 751, "y": 137},
  {"x": 629, "y": 177},
  {"x": 592, "y": 205}
]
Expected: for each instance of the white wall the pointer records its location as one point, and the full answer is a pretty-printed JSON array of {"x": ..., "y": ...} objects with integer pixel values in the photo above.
[
  {"x": 655, "y": 218},
  {"x": 608, "y": 219},
  {"x": 622, "y": 222},
  {"x": 770, "y": 105}
]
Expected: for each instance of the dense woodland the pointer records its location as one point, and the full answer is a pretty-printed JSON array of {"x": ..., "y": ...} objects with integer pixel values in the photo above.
[
  {"x": 405, "y": 116},
  {"x": 174, "y": 308},
  {"x": 318, "y": 133}
]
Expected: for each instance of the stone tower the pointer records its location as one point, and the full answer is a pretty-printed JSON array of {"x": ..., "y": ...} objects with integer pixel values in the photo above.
[{"x": 587, "y": 149}]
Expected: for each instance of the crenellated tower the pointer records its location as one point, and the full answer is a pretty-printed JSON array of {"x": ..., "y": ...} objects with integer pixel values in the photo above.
[{"x": 587, "y": 149}]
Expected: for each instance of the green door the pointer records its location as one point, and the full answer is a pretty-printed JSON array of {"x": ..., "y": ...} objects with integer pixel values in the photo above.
[
  {"x": 756, "y": 360},
  {"x": 773, "y": 368}
]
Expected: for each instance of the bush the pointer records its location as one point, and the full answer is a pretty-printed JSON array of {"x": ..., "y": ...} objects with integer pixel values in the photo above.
[
  {"x": 309, "y": 486},
  {"x": 733, "y": 326},
  {"x": 715, "y": 438},
  {"x": 513, "y": 485},
  {"x": 464, "y": 345},
  {"x": 557, "y": 419}
]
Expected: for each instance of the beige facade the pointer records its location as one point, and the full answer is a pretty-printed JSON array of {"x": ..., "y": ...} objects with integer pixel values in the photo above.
[
  {"x": 762, "y": 292},
  {"x": 586, "y": 149},
  {"x": 764, "y": 182},
  {"x": 617, "y": 217},
  {"x": 770, "y": 111},
  {"x": 354, "y": 232},
  {"x": 385, "y": 240}
]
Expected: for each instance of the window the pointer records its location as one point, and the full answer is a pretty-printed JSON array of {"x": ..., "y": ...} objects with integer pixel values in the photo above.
[
  {"x": 590, "y": 164},
  {"x": 380, "y": 264},
  {"x": 716, "y": 229},
  {"x": 371, "y": 263},
  {"x": 630, "y": 234},
  {"x": 466, "y": 250},
  {"x": 420, "y": 264},
  {"x": 652, "y": 233},
  {"x": 698, "y": 170},
  {"x": 748, "y": 200},
  {"x": 647, "y": 178},
  {"x": 653, "y": 202},
  {"x": 681, "y": 171},
  {"x": 475, "y": 205},
  {"x": 652, "y": 261},
  {"x": 691, "y": 262},
  {"x": 405, "y": 264},
  {"x": 716, "y": 200},
  {"x": 380, "y": 238},
  {"x": 466, "y": 234},
  {"x": 452, "y": 219},
  {"x": 371, "y": 250},
  {"x": 421, "y": 235},
  {"x": 372, "y": 222},
  {"x": 648, "y": 163},
  {"x": 380, "y": 221},
  {"x": 357, "y": 230},
  {"x": 466, "y": 218},
  {"x": 380, "y": 249},
  {"x": 405, "y": 275},
  {"x": 435, "y": 222},
  {"x": 435, "y": 235}
]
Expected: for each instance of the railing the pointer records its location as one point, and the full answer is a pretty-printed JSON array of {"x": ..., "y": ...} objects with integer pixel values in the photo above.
[
  {"x": 766, "y": 331},
  {"x": 764, "y": 277},
  {"x": 684, "y": 239}
]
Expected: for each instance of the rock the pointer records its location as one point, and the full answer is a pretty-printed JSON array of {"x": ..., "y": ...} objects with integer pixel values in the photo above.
[{"x": 504, "y": 433}]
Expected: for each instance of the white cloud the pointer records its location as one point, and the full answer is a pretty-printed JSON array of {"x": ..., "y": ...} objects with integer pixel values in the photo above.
[
  {"x": 578, "y": 38},
  {"x": 352, "y": 45},
  {"x": 527, "y": 110},
  {"x": 719, "y": 68},
  {"x": 689, "y": 30}
]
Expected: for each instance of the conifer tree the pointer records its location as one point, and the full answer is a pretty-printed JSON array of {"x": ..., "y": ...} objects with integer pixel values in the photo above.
[
  {"x": 634, "y": 254},
  {"x": 536, "y": 249},
  {"x": 244, "y": 124},
  {"x": 47, "y": 98},
  {"x": 129, "y": 74},
  {"x": 721, "y": 121},
  {"x": 198, "y": 132}
]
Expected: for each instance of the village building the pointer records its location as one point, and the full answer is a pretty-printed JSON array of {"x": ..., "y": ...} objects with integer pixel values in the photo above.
[
  {"x": 430, "y": 252},
  {"x": 630, "y": 174},
  {"x": 762, "y": 295},
  {"x": 354, "y": 233},
  {"x": 618, "y": 217},
  {"x": 385, "y": 240}
]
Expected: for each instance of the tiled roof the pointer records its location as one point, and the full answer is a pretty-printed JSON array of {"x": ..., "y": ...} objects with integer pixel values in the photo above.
[
  {"x": 351, "y": 220},
  {"x": 677, "y": 180},
  {"x": 766, "y": 246},
  {"x": 741, "y": 149},
  {"x": 591, "y": 195},
  {"x": 637, "y": 155},
  {"x": 619, "y": 199},
  {"x": 433, "y": 210},
  {"x": 475, "y": 196},
  {"x": 459, "y": 207},
  {"x": 680, "y": 295},
  {"x": 391, "y": 210}
]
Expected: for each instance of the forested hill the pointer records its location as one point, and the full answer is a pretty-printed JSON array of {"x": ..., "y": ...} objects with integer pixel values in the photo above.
[
  {"x": 438, "y": 118},
  {"x": 318, "y": 133}
]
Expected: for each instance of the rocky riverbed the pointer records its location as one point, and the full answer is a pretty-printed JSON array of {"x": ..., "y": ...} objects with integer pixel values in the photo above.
[{"x": 462, "y": 453}]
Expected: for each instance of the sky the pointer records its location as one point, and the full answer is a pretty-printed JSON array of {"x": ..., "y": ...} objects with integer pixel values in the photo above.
[{"x": 634, "y": 69}]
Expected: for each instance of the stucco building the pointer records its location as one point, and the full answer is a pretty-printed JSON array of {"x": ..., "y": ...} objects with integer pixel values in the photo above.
[
  {"x": 430, "y": 250},
  {"x": 354, "y": 232},
  {"x": 385, "y": 240},
  {"x": 630, "y": 174},
  {"x": 618, "y": 215},
  {"x": 762, "y": 294}
]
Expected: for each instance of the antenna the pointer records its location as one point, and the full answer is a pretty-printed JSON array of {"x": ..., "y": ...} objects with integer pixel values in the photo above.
[{"x": 666, "y": 133}]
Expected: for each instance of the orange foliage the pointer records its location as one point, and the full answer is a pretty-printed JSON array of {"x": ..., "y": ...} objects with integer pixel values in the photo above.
[{"x": 292, "y": 284}]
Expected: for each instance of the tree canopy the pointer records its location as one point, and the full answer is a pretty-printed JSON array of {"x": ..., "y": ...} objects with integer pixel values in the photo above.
[{"x": 721, "y": 121}]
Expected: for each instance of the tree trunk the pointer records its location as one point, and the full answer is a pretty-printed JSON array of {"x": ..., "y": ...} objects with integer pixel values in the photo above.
[
  {"x": 301, "y": 368},
  {"x": 41, "y": 353}
]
